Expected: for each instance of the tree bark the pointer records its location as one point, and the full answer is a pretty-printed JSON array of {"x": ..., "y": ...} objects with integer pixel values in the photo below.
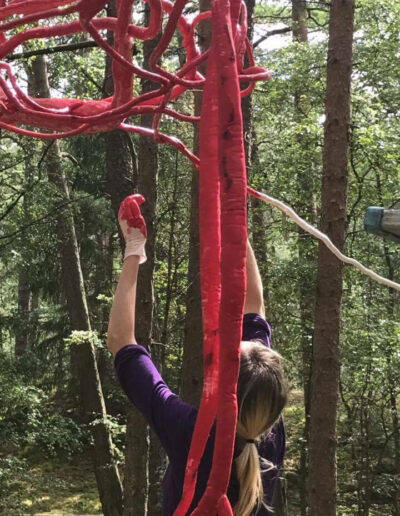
[
  {"x": 125, "y": 173},
  {"x": 147, "y": 186},
  {"x": 192, "y": 366},
  {"x": 23, "y": 330},
  {"x": 136, "y": 473},
  {"x": 106, "y": 471},
  {"x": 299, "y": 21},
  {"x": 325, "y": 387},
  {"x": 247, "y": 102},
  {"x": 306, "y": 249},
  {"x": 24, "y": 310},
  {"x": 280, "y": 497},
  {"x": 258, "y": 231}
]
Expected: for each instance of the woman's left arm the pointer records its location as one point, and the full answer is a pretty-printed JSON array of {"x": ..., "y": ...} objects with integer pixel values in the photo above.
[{"x": 121, "y": 327}]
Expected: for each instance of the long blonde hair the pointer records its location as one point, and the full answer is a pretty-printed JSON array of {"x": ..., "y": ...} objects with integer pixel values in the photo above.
[{"x": 262, "y": 396}]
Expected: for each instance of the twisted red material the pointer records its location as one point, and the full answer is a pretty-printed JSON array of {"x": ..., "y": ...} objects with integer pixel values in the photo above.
[
  {"x": 223, "y": 226},
  {"x": 60, "y": 118}
]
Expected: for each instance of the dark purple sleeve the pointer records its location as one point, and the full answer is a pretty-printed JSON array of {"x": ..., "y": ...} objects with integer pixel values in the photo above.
[
  {"x": 166, "y": 413},
  {"x": 256, "y": 327}
]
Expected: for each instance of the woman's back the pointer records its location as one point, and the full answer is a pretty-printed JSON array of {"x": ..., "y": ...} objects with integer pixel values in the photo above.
[
  {"x": 270, "y": 447},
  {"x": 173, "y": 421}
]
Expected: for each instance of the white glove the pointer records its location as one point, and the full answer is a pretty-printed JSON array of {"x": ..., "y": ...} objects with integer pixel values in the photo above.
[{"x": 133, "y": 226}]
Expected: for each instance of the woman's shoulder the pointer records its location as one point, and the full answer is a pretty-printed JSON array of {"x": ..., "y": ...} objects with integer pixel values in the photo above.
[{"x": 256, "y": 327}]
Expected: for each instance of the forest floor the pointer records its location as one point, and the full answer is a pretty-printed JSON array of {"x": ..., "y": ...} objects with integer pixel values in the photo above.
[{"x": 58, "y": 487}]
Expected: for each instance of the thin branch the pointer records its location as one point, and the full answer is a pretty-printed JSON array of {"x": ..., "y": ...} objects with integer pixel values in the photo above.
[
  {"x": 14, "y": 165},
  {"x": 11, "y": 206},
  {"x": 93, "y": 81},
  {"x": 44, "y": 217},
  {"x": 71, "y": 158},
  {"x": 270, "y": 33},
  {"x": 52, "y": 50}
]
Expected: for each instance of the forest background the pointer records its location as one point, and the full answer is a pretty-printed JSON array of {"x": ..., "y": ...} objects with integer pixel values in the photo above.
[{"x": 51, "y": 192}]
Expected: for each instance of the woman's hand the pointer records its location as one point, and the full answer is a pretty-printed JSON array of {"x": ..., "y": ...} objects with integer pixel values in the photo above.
[{"x": 133, "y": 226}]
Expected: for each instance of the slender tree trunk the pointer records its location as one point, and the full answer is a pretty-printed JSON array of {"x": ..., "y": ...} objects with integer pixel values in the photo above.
[
  {"x": 23, "y": 330},
  {"x": 34, "y": 320},
  {"x": 125, "y": 175},
  {"x": 192, "y": 366},
  {"x": 121, "y": 161},
  {"x": 299, "y": 20},
  {"x": 121, "y": 172},
  {"x": 24, "y": 310},
  {"x": 323, "y": 412},
  {"x": 247, "y": 102},
  {"x": 106, "y": 471},
  {"x": 103, "y": 283},
  {"x": 306, "y": 248},
  {"x": 251, "y": 151},
  {"x": 170, "y": 257},
  {"x": 147, "y": 186},
  {"x": 280, "y": 497}
]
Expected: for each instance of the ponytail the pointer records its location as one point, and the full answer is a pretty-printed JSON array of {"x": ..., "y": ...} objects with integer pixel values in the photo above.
[
  {"x": 251, "y": 492},
  {"x": 261, "y": 396}
]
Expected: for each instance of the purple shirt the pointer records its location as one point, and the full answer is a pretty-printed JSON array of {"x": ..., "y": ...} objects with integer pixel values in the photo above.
[{"x": 173, "y": 421}]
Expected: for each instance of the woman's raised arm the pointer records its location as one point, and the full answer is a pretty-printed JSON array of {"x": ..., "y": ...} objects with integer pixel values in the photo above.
[
  {"x": 254, "y": 302},
  {"x": 121, "y": 327}
]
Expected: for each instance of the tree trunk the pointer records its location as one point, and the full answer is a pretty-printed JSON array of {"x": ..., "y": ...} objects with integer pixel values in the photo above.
[
  {"x": 120, "y": 153},
  {"x": 136, "y": 473},
  {"x": 325, "y": 387},
  {"x": 247, "y": 102},
  {"x": 299, "y": 21},
  {"x": 103, "y": 283},
  {"x": 280, "y": 497},
  {"x": 147, "y": 186},
  {"x": 24, "y": 310},
  {"x": 124, "y": 175},
  {"x": 23, "y": 330},
  {"x": 192, "y": 366},
  {"x": 106, "y": 471},
  {"x": 251, "y": 152},
  {"x": 34, "y": 320},
  {"x": 259, "y": 241},
  {"x": 306, "y": 249}
]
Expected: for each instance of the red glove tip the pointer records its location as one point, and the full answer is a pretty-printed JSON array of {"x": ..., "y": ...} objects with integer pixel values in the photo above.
[{"x": 139, "y": 199}]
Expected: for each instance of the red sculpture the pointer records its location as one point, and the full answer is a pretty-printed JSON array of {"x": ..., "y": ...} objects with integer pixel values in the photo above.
[{"x": 223, "y": 225}]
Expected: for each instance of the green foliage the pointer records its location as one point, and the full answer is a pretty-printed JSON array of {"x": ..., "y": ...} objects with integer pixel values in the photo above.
[
  {"x": 80, "y": 337},
  {"x": 12, "y": 476},
  {"x": 26, "y": 418}
]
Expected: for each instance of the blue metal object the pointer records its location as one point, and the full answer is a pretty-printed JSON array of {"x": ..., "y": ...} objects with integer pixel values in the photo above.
[{"x": 384, "y": 223}]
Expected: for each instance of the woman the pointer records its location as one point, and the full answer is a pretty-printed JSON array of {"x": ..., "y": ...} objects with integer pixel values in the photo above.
[{"x": 260, "y": 439}]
